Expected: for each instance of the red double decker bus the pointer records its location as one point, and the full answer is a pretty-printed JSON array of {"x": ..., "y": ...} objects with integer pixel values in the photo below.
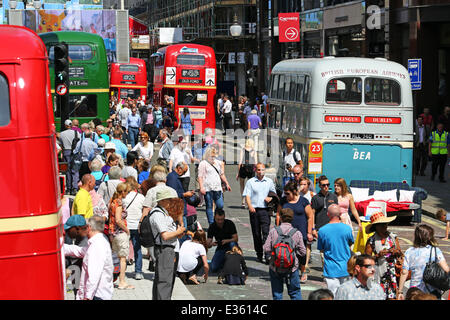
[
  {"x": 187, "y": 73},
  {"x": 129, "y": 79}
]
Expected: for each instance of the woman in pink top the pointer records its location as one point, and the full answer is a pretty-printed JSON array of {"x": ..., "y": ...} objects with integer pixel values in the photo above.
[{"x": 346, "y": 202}]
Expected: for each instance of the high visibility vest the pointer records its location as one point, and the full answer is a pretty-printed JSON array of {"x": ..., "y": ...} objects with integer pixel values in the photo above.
[{"x": 439, "y": 143}]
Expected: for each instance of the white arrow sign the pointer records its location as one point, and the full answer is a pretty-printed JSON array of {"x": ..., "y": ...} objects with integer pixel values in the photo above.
[{"x": 171, "y": 75}]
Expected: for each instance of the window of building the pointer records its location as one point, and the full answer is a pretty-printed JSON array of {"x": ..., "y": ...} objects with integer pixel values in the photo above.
[
  {"x": 344, "y": 90},
  {"x": 381, "y": 91},
  {"x": 5, "y": 112}
]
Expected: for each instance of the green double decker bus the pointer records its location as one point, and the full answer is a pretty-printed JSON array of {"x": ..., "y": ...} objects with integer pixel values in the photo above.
[{"x": 88, "y": 75}]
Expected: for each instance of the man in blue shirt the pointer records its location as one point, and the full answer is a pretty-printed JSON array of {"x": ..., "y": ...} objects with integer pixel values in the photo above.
[
  {"x": 121, "y": 148},
  {"x": 334, "y": 241},
  {"x": 256, "y": 193},
  {"x": 86, "y": 146},
  {"x": 133, "y": 126}
]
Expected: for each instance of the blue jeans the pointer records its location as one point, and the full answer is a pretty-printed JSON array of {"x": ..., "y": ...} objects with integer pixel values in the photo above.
[
  {"x": 134, "y": 237},
  {"x": 219, "y": 257},
  {"x": 133, "y": 134},
  {"x": 292, "y": 281},
  {"x": 211, "y": 196}
]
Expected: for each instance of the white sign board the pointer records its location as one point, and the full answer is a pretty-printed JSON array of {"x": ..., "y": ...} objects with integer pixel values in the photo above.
[
  {"x": 210, "y": 77},
  {"x": 170, "y": 35},
  {"x": 171, "y": 75}
]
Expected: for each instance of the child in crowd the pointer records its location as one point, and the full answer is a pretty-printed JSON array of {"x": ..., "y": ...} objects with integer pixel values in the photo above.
[
  {"x": 444, "y": 217},
  {"x": 143, "y": 167},
  {"x": 234, "y": 269}
]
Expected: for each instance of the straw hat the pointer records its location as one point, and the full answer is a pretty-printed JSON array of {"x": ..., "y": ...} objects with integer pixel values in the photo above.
[{"x": 378, "y": 218}]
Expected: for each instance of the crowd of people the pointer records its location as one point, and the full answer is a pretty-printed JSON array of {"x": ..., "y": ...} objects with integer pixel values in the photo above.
[{"x": 120, "y": 182}]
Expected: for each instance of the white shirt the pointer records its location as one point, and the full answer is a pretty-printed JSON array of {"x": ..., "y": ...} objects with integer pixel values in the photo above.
[
  {"x": 123, "y": 117},
  {"x": 144, "y": 152},
  {"x": 189, "y": 252},
  {"x": 150, "y": 197},
  {"x": 227, "y": 106},
  {"x": 134, "y": 208},
  {"x": 289, "y": 159},
  {"x": 211, "y": 179},
  {"x": 177, "y": 155},
  {"x": 97, "y": 270}
]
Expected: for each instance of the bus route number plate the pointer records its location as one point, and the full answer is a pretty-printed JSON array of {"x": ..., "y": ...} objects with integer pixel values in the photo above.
[{"x": 363, "y": 136}]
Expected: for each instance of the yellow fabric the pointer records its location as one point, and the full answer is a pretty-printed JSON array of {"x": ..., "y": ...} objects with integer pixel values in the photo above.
[
  {"x": 83, "y": 204},
  {"x": 439, "y": 143},
  {"x": 361, "y": 238}
]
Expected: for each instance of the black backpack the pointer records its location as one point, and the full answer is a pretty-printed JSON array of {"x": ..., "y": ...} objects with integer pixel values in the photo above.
[{"x": 145, "y": 231}]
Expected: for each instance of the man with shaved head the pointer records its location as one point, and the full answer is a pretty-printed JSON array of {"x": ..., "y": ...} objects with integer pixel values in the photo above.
[
  {"x": 334, "y": 241},
  {"x": 83, "y": 201}
]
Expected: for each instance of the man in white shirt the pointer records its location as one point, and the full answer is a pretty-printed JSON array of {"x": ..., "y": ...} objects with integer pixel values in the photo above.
[
  {"x": 291, "y": 157},
  {"x": 129, "y": 169},
  {"x": 96, "y": 282},
  {"x": 226, "y": 109},
  {"x": 180, "y": 153}
]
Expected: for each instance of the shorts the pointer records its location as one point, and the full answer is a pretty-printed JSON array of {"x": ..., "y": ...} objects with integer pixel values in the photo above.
[
  {"x": 121, "y": 244},
  {"x": 246, "y": 172}
]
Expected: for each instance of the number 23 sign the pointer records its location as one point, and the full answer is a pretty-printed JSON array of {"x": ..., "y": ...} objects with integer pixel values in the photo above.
[{"x": 315, "y": 157}]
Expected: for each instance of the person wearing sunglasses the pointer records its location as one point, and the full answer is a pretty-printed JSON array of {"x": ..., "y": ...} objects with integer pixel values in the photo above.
[
  {"x": 320, "y": 203},
  {"x": 361, "y": 286}
]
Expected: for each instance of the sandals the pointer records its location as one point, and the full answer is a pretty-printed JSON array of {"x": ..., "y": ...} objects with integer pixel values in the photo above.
[{"x": 304, "y": 278}]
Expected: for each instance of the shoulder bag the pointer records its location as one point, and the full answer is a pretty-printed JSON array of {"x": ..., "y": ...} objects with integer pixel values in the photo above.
[{"x": 434, "y": 275}]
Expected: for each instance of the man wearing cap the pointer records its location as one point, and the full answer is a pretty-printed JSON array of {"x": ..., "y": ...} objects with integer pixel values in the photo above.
[
  {"x": 76, "y": 232},
  {"x": 166, "y": 232},
  {"x": 334, "y": 240},
  {"x": 66, "y": 140},
  {"x": 96, "y": 282}
]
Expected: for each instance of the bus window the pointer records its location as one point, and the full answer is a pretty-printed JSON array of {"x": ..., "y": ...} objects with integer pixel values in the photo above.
[
  {"x": 280, "y": 87},
  {"x": 77, "y": 52},
  {"x": 191, "y": 60},
  {"x": 192, "y": 97},
  {"x": 381, "y": 91},
  {"x": 5, "y": 115},
  {"x": 129, "y": 68},
  {"x": 287, "y": 82},
  {"x": 274, "y": 86},
  {"x": 344, "y": 90},
  {"x": 306, "y": 91},
  {"x": 300, "y": 86},
  {"x": 275, "y": 116},
  {"x": 130, "y": 93},
  {"x": 82, "y": 106},
  {"x": 293, "y": 88}
]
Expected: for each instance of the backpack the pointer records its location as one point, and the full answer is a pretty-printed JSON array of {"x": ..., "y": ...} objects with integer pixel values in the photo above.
[
  {"x": 296, "y": 160},
  {"x": 283, "y": 255},
  {"x": 99, "y": 182},
  {"x": 146, "y": 236},
  {"x": 77, "y": 159}
]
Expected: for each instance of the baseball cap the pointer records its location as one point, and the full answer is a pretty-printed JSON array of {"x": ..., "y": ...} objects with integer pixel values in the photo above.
[
  {"x": 68, "y": 122},
  {"x": 75, "y": 221}
]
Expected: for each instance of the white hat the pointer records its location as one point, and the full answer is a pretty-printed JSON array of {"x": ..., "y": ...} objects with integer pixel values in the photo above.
[
  {"x": 68, "y": 122},
  {"x": 166, "y": 193},
  {"x": 101, "y": 142},
  {"x": 110, "y": 145}
]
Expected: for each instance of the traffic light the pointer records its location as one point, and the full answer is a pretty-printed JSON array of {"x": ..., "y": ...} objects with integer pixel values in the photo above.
[
  {"x": 61, "y": 63},
  {"x": 62, "y": 82}
]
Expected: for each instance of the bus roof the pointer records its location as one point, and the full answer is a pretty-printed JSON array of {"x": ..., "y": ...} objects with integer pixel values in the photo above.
[
  {"x": 19, "y": 44},
  {"x": 330, "y": 67},
  {"x": 177, "y": 48},
  {"x": 140, "y": 62},
  {"x": 70, "y": 36}
]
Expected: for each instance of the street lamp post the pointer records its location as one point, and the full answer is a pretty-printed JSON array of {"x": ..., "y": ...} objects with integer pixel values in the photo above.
[{"x": 236, "y": 31}]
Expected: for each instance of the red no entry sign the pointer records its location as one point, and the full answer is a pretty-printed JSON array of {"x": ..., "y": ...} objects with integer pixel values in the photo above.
[{"x": 61, "y": 89}]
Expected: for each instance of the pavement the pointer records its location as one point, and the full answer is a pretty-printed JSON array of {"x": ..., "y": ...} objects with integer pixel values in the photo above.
[{"x": 258, "y": 284}]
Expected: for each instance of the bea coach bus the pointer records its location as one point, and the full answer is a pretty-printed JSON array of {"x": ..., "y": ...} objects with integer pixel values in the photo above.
[
  {"x": 359, "y": 110},
  {"x": 129, "y": 80},
  {"x": 31, "y": 234},
  {"x": 88, "y": 74},
  {"x": 187, "y": 72}
]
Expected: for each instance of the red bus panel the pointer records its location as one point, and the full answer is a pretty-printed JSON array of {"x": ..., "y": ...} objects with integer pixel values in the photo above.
[
  {"x": 30, "y": 223},
  {"x": 188, "y": 73},
  {"x": 129, "y": 79}
]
